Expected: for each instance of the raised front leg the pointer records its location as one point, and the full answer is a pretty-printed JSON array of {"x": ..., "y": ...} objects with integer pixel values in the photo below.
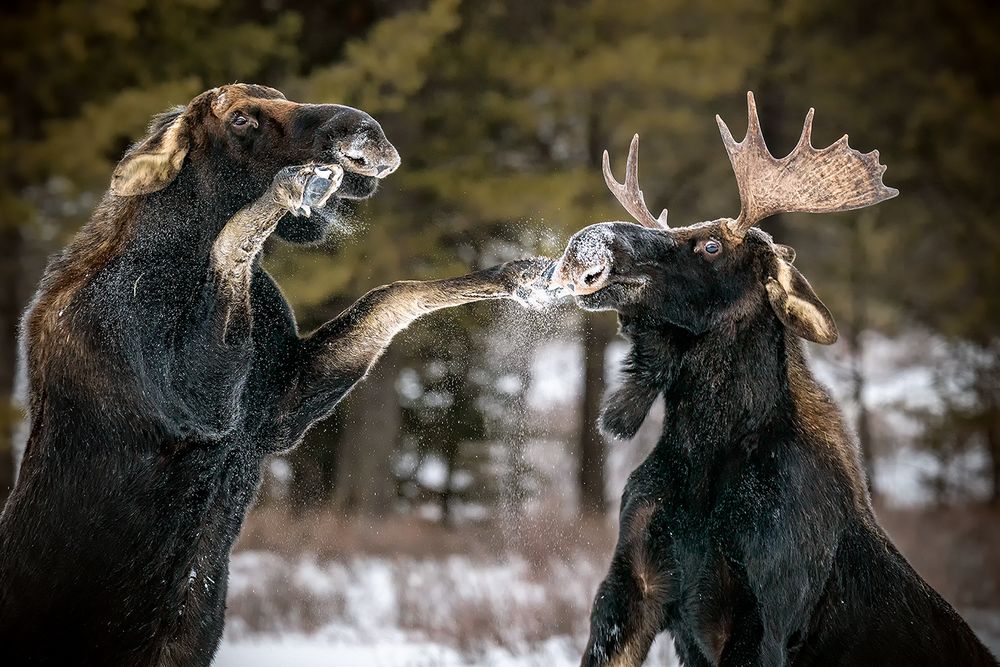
[
  {"x": 628, "y": 610},
  {"x": 338, "y": 354},
  {"x": 624, "y": 620},
  {"x": 213, "y": 356},
  {"x": 298, "y": 190}
]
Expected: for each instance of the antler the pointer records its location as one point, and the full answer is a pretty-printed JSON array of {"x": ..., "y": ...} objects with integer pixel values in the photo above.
[
  {"x": 628, "y": 193},
  {"x": 810, "y": 180}
]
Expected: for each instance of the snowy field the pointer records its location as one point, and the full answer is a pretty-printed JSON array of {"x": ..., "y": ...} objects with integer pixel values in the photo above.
[
  {"x": 401, "y": 612},
  {"x": 309, "y": 651},
  {"x": 455, "y": 611}
]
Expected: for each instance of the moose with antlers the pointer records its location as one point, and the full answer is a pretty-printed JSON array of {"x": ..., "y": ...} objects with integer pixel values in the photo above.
[
  {"x": 164, "y": 365},
  {"x": 748, "y": 533}
]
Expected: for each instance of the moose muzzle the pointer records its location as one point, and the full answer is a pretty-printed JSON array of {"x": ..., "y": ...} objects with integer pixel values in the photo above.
[{"x": 585, "y": 266}]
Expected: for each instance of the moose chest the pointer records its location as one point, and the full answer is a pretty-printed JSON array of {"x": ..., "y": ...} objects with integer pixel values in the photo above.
[{"x": 692, "y": 523}]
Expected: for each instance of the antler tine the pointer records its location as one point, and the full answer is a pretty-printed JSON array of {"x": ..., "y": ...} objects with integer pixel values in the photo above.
[
  {"x": 628, "y": 193},
  {"x": 810, "y": 180},
  {"x": 805, "y": 139}
]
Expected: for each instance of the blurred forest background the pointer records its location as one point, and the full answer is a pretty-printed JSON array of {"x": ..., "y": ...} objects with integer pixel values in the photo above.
[{"x": 475, "y": 434}]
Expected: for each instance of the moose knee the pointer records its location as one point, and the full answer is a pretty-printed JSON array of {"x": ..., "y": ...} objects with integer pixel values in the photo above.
[{"x": 396, "y": 303}]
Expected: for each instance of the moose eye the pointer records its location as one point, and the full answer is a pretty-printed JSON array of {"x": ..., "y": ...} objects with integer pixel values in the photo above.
[
  {"x": 239, "y": 120},
  {"x": 712, "y": 247}
]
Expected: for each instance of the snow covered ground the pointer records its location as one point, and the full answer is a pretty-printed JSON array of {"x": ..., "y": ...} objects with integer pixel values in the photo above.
[
  {"x": 311, "y": 650},
  {"x": 454, "y": 611},
  {"x": 404, "y": 612}
]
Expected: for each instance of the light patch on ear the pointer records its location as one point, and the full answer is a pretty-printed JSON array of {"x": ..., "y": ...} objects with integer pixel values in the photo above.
[
  {"x": 797, "y": 306},
  {"x": 220, "y": 104},
  {"x": 785, "y": 252},
  {"x": 152, "y": 165}
]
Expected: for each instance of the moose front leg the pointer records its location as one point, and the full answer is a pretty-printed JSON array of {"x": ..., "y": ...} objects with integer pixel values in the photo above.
[
  {"x": 297, "y": 190},
  {"x": 210, "y": 365},
  {"x": 339, "y": 354},
  {"x": 628, "y": 610}
]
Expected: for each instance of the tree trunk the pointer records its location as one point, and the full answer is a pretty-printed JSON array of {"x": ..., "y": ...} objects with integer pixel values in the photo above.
[
  {"x": 306, "y": 488},
  {"x": 988, "y": 388},
  {"x": 859, "y": 322},
  {"x": 364, "y": 481},
  {"x": 596, "y": 335},
  {"x": 447, "y": 491},
  {"x": 863, "y": 420},
  {"x": 515, "y": 437},
  {"x": 11, "y": 304},
  {"x": 993, "y": 448},
  {"x": 590, "y": 474}
]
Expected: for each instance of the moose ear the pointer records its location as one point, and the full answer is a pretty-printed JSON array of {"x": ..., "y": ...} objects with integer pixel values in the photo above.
[
  {"x": 154, "y": 162},
  {"x": 797, "y": 306}
]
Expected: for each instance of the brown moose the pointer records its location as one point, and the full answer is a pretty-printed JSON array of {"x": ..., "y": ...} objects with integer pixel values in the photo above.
[{"x": 164, "y": 365}]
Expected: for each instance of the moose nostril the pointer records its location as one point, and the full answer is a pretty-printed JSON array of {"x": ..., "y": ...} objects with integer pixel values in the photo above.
[
  {"x": 591, "y": 279},
  {"x": 382, "y": 168},
  {"x": 356, "y": 157},
  {"x": 593, "y": 275}
]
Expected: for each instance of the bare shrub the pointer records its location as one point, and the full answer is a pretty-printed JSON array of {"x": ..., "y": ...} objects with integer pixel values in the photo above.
[
  {"x": 267, "y": 595},
  {"x": 511, "y": 584},
  {"x": 329, "y": 535},
  {"x": 473, "y": 602},
  {"x": 956, "y": 549},
  {"x": 514, "y": 604}
]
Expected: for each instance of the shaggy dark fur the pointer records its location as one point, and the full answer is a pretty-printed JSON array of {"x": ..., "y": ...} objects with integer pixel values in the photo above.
[
  {"x": 748, "y": 532},
  {"x": 164, "y": 365}
]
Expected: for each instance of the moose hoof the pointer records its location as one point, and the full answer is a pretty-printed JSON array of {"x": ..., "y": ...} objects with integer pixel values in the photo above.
[
  {"x": 321, "y": 185},
  {"x": 303, "y": 189},
  {"x": 528, "y": 284}
]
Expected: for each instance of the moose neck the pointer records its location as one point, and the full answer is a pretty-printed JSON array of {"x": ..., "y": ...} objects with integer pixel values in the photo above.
[
  {"x": 733, "y": 394},
  {"x": 189, "y": 213},
  {"x": 720, "y": 387}
]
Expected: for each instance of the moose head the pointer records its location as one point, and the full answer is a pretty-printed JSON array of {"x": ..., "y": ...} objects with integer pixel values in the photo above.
[
  {"x": 230, "y": 141},
  {"x": 701, "y": 276}
]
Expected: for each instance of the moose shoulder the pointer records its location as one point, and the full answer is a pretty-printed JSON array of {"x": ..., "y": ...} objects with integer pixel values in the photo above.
[
  {"x": 748, "y": 532},
  {"x": 163, "y": 365}
]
